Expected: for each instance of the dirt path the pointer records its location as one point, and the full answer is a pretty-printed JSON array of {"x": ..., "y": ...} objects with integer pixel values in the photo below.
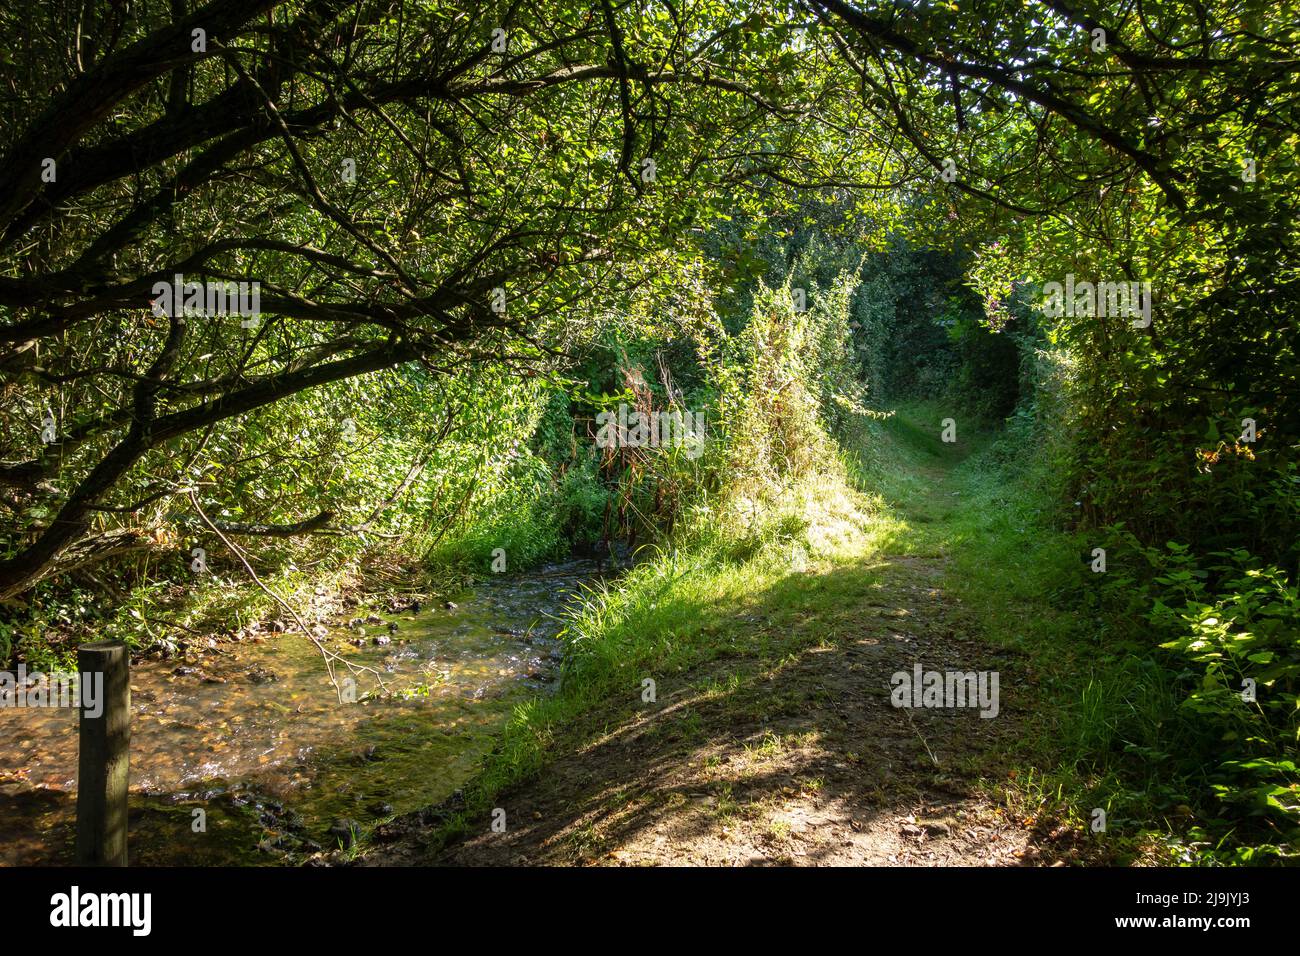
[{"x": 801, "y": 760}]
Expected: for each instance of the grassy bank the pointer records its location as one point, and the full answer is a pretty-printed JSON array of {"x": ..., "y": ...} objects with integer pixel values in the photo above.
[
  {"x": 752, "y": 632},
  {"x": 728, "y": 615},
  {"x": 751, "y": 585}
]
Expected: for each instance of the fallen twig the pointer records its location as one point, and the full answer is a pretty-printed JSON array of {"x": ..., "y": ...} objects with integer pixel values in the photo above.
[{"x": 331, "y": 658}]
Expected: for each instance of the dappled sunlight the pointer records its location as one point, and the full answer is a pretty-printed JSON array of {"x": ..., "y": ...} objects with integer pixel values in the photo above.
[{"x": 830, "y": 431}]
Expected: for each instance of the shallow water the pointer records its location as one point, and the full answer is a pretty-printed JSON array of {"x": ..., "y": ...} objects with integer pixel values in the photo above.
[{"x": 254, "y": 736}]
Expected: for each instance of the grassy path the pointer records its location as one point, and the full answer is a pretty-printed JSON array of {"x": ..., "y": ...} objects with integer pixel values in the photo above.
[{"x": 773, "y": 738}]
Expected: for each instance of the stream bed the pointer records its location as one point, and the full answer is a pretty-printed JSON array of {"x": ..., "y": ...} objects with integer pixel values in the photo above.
[{"x": 254, "y": 735}]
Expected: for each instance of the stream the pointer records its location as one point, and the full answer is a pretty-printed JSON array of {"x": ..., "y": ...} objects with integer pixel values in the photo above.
[{"x": 255, "y": 738}]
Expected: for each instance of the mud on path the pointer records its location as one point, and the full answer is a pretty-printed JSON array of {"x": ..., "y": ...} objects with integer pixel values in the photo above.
[{"x": 800, "y": 760}]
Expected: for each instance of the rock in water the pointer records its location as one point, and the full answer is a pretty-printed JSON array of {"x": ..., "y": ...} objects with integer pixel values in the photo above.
[{"x": 345, "y": 832}]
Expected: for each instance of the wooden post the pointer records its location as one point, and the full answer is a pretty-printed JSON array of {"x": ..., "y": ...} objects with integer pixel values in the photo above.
[{"x": 103, "y": 760}]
